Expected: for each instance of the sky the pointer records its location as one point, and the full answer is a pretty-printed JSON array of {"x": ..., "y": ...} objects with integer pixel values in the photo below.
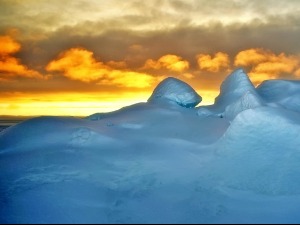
[{"x": 79, "y": 57}]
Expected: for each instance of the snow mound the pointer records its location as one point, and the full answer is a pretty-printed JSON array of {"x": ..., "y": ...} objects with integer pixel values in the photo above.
[
  {"x": 285, "y": 93},
  {"x": 177, "y": 91},
  {"x": 249, "y": 100},
  {"x": 233, "y": 88},
  {"x": 259, "y": 152}
]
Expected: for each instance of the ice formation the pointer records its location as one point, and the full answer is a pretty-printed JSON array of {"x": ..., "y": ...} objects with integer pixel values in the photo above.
[
  {"x": 249, "y": 100},
  {"x": 233, "y": 88},
  {"x": 174, "y": 90},
  {"x": 234, "y": 162}
]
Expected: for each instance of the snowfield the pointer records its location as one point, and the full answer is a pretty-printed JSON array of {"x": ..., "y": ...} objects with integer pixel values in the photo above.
[{"x": 163, "y": 161}]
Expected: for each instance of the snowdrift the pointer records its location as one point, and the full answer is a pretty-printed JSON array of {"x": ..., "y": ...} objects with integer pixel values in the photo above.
[{"x": 162, "y": 161}]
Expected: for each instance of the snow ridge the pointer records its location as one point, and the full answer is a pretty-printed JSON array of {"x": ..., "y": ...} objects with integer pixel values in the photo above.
[{"x": 233, "y": 88}]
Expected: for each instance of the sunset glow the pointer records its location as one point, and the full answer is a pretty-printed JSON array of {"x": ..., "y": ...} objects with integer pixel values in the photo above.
[
  {"x": 64, "y": 103},
  {"x": 98, "y": 56}
]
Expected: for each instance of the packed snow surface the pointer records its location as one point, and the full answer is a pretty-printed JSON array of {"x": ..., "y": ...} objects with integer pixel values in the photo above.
[{"x": 159, "y": 162}]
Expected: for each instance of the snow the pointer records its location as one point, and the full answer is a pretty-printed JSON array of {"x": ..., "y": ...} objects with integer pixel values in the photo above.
[
  {"x": 269, "y": 164},
  {"x": 204, "y": 112},
  {"x": 233, "y": 88},
  {"x": 95, "y": 117},
  {"x": 159, "y": 162},
  {"x": 284, "y": 93},
  {"x": 249, "y": 100},
  {"x": 177, "y": 91}
]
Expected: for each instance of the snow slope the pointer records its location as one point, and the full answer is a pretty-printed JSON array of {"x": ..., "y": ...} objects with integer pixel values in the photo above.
[
  {"x": 269, "y": 163},
  {"x": 157, "y": 162}
]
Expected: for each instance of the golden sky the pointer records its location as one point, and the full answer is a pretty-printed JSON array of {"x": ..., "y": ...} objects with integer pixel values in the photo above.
[{"x": 79, "y": 57}]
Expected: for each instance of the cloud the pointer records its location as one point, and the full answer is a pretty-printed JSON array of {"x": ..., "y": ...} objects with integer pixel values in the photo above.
[
  {"x": 11, "y": 67},
  {"x": 219, "y": 62},
  {"x": 136, "y": 55},
  {"x": 188, "y": 75},
  {"x": 112, "y": 41},
  {"x": 8, "y": 46},
  {"x": 125, "y": 34},
  {"x": 169, "y": 62},
  {"x": 137, "y": 14},
  {"x": 265, "y": 64},
  {"x": 80, "y": 64},
  {"x": 251, "y": 57},
  {"x": 117, "y": 64}
]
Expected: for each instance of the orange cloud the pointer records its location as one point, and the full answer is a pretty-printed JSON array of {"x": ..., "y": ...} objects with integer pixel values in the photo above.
[
  {"x": 8, "y": 46},
  {"x": 267, "y": 65},
  {"x": 188, "y": 75},
  {"x": 251, "y": 57},
  {"x": 11, "y": 66},
  {"x": 80, "y": 64},
  {"x": 213, "y": 64},
  {"x": 170, "y": 62}
]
